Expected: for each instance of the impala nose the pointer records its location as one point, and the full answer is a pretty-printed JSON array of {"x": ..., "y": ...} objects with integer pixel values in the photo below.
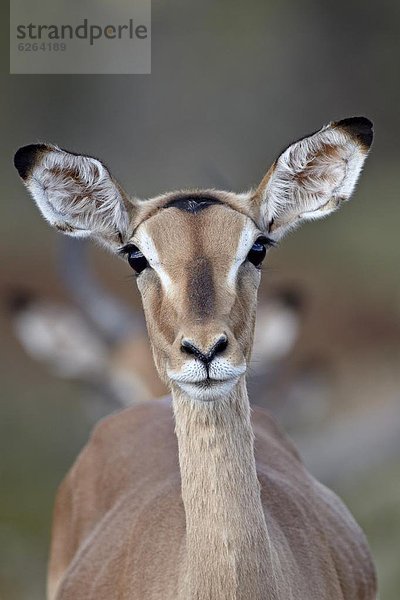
[{"x": 218, "y": 347}]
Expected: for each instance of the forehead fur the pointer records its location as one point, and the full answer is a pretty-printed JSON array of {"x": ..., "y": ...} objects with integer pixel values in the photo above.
[
  {"x": 192, "y": 201},
  {"x": 180, "y": 235}
]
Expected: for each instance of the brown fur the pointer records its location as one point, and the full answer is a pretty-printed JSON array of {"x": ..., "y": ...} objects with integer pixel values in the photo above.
[{"x": 119, "y": 522}]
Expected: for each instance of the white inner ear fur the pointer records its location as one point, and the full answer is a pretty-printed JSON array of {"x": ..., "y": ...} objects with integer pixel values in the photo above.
[
  {"x": 77, "y": 195},
  {"x": 311, "y": 178}
]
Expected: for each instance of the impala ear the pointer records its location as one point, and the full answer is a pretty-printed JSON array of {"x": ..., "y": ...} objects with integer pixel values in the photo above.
[
  {"x": 313, "y": 176},
  {"x": 76, "y": 194}
]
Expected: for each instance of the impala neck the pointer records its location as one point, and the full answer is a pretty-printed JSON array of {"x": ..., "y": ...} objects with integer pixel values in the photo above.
[{"x": 228, "y": 552}]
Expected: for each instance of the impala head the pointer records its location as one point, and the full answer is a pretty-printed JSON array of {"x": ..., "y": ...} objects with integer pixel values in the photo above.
[{"x": 197, "y": 254}]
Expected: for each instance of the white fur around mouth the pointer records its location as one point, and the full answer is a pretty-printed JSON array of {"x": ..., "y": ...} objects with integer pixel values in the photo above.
[
  {"x": 194, "y": 380},
  {"x": 208, "y": 389},
  {"x": 193, "y": 371}
]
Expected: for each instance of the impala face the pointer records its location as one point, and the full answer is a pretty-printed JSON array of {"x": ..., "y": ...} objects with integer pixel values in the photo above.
[
  {"x": 198, "y": 262},
  {"x": 197, "y": 254}
]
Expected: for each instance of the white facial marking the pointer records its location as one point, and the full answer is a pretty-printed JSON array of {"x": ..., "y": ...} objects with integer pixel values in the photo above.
[
  {"x": 244, "y": 245},
  {"x": 146, "y": 245},
  {"x": 208, "y": 392},
  {"x": 194, "y": 371},
  {"x": 193, "y": 380},
  {"x": 222, "y": 369}
]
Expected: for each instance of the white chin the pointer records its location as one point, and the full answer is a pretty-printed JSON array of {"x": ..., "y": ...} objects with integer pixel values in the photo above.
[{"x": 208, "y": 391}]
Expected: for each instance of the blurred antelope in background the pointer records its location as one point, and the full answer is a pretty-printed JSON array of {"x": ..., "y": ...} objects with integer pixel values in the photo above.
[
  {"x": 173, "y": 499},
  {"x": 96, "y": 340}
]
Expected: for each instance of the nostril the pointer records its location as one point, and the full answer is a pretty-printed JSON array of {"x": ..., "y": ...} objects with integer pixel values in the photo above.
[
  {"x": 190, "y": 348},
  {"x": 220, "y": 345},
  {"x": 187, "y": 347}
]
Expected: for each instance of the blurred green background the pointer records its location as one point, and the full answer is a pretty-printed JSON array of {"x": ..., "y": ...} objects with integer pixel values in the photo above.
[{"x": 232, "y": 83}]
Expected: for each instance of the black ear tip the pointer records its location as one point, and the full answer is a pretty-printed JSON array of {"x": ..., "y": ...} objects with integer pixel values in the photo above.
[
  {"x": 359, "y": 127},
  {"x": 26, "y": 157}
]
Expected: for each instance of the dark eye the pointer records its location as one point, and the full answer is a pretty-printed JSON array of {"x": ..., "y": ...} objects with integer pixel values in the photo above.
[
  {"x": 258, "y": 251},
  {"x": 136, "y": 259}
]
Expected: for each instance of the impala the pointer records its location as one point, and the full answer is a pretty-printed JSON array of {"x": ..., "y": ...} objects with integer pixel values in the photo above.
[{"x": 196, "y": 496}]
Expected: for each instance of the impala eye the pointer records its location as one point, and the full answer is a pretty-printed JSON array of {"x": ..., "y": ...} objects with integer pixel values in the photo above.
[
  {"x": 136, "y": 259},
  {"x": 258, "y": 251}
]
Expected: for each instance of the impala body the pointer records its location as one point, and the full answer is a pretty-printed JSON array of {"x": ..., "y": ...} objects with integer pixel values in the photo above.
[{"x": 194, "y": 497}]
